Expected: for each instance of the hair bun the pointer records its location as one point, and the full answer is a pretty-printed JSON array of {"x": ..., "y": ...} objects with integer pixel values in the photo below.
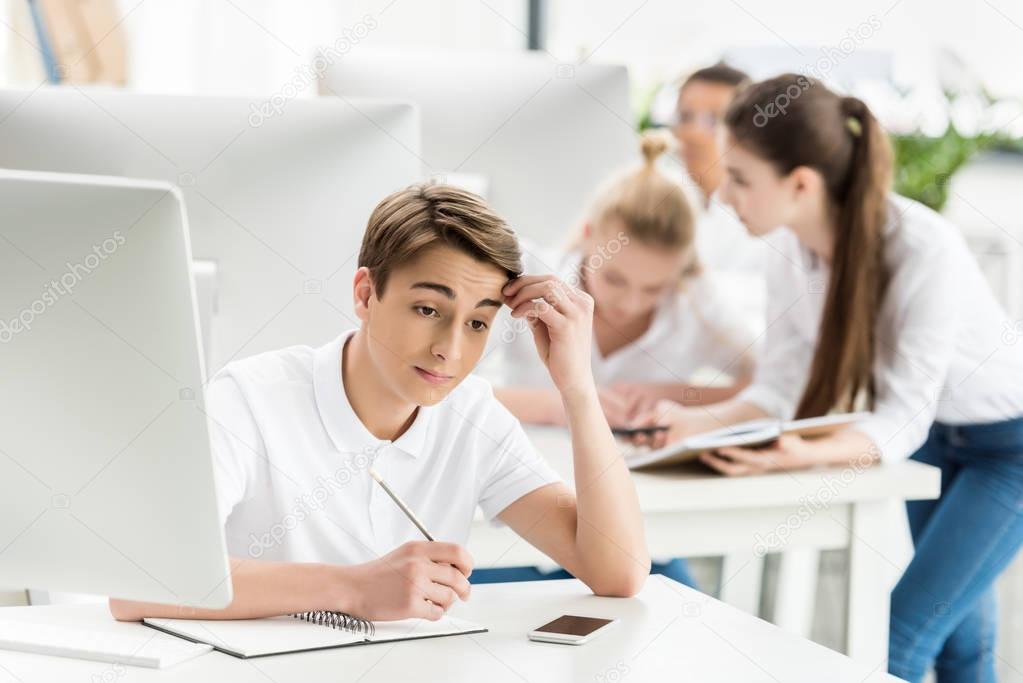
[{"x": 653, "y": 144}]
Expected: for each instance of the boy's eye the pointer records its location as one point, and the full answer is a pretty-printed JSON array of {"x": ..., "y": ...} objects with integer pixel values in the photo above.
[
  {"x": 478, "y": 325},
  {"x": 427, "y": 312}
]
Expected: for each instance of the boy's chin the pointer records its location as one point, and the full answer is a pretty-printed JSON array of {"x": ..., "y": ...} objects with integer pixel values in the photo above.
[{"x": 429, "y": 396}]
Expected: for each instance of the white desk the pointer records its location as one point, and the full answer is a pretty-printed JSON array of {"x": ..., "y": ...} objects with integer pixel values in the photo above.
[
  {"x": 693, "y": 512},
  {"x": 669, "y": 632}
]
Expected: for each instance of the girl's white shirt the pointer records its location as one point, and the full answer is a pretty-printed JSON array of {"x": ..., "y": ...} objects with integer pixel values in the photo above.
[{"x": 946, "y": 350}]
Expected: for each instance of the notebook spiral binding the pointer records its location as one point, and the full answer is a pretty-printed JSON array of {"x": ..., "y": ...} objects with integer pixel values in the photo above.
[{"x": 338, "y": 620}]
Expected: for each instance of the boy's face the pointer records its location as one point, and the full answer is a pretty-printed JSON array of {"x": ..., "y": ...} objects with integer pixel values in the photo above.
[{"x": 429, "y": 329}]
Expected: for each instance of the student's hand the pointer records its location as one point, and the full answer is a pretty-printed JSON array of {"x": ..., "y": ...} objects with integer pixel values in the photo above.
[
  {"x": 561, "y": 319},
  {"x": 638, "y": 398},
  {"x": 788, "y": 452},
  {"x": 679, "y": 419},
  {"x": 418, "y": 579}
]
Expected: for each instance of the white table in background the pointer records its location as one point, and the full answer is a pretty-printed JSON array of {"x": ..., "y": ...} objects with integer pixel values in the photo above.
[
  {"x": 692, "y": 512},
  {"x": 668, "y": 632}
]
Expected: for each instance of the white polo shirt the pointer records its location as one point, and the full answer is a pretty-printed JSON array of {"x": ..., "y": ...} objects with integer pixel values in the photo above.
[
  {"x": 696, "y": 328},
  {"x": 290, "y": 459},
  {"x": 946, "y": 350}
]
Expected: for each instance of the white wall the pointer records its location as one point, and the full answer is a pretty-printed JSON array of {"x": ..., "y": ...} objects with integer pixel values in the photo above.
[
  {"x": 243, "y": 46},
  {"x": 659, "y": 38}
]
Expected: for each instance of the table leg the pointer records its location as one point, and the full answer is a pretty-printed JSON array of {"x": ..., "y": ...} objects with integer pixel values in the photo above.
[
  {"x": 741, "y": 576},
  {"x": 871, "y": 578},
  {"x": 796, "y": 590}
]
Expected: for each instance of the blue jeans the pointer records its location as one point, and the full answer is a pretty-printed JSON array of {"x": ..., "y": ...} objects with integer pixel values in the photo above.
[
  {"x": 943, "y": 608},
  {"x": 674, "y": 569}
]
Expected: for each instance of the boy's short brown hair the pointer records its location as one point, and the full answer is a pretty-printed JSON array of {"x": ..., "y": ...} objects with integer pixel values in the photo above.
[{"x": 411, "y": 221}]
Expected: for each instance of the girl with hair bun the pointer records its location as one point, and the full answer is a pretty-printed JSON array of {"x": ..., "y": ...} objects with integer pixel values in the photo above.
[
  {"x": 875, "y": 303},
  {"x": 657, "y": 320}
]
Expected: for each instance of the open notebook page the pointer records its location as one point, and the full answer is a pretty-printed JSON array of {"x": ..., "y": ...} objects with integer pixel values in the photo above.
[{"x": 277, "y": 635}]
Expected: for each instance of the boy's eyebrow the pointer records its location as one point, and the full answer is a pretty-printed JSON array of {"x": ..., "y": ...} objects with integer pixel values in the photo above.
[{"x": 450, "y": 293}]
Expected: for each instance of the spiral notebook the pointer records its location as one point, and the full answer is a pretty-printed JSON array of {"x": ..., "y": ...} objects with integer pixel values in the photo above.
[{"x": 247, "y": 638}]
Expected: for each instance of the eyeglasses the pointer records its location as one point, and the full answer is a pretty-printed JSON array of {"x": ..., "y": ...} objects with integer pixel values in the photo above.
[{"x": 703, "y": 119}]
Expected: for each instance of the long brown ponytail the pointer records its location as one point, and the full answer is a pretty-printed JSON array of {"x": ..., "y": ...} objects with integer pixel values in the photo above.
[{"x": 793, "y": 121}]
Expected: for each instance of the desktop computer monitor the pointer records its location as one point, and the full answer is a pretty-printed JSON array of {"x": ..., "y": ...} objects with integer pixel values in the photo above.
[
  {"x": 105, "y": 469},
  {"x": 278, "y": 192},
  {"x": 538, "y": 136}
]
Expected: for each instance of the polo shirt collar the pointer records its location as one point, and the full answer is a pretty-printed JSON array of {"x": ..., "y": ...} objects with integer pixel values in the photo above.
[{"x": 343, "y": 426}]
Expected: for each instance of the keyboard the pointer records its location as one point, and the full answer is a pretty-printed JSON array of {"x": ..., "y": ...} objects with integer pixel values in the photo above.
[{"x": 146, "y": 647}]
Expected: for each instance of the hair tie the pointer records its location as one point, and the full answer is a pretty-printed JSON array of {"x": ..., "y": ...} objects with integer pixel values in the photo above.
[{"x": 854, "y": 125}]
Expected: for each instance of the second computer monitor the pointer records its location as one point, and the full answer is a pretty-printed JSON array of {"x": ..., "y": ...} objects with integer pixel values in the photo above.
[
  {"x": 539, "y": 136},
  {"x": 278, "y": 190}
]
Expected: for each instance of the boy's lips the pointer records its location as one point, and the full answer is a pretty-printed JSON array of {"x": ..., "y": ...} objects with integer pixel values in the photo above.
[{"x": 433, "y": 377}]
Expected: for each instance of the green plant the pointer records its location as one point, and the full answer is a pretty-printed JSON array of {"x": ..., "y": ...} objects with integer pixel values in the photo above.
[{"x": 924, "y": 165}]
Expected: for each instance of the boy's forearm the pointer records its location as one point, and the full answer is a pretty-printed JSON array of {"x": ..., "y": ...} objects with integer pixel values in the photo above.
[
  {"x": 261, "y": 589},
  {"x": 610, "y": 538}
]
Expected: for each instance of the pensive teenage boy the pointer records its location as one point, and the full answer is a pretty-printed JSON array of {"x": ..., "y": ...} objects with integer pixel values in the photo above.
[{"x": 436, "y": 265}]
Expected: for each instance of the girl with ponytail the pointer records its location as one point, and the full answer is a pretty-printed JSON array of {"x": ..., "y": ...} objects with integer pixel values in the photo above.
[{"x": 875, "y": 303}]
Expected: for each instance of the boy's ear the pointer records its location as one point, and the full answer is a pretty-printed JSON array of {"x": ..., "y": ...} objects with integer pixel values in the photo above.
[
  {"x": 362, "y": 292},
  {"x": 587, "y": 230}
]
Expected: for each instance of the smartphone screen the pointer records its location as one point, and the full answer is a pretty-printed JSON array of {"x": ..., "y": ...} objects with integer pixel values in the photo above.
[{"x": 574, "y": 626}]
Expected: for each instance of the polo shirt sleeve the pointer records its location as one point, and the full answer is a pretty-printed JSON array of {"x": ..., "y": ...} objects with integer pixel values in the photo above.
[
  {"x": 239, "y": 456},
  {"x": 513, "y": 468}
]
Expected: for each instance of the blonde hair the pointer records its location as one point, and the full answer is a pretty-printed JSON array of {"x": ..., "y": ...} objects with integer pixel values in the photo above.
[
  {"x": 653, "y": 208},
  {"x": 411, "y": 221}
]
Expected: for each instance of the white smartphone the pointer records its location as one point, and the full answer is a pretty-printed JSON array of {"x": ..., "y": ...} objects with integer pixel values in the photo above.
[{"x": 571, "y": 630}]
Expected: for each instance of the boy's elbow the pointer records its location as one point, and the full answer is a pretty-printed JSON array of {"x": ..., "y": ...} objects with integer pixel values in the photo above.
[
  {"x": 124, "y": 610},
  {"x": 625, "y": 583}
]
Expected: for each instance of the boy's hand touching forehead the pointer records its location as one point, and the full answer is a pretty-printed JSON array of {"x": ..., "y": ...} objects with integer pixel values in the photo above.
[{"x": 561, "y": 319}]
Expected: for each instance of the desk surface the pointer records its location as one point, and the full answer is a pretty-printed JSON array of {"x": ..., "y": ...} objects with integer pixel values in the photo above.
[
  {"x": 695, "y": 487},
  {"x": 668, "y": 632}
]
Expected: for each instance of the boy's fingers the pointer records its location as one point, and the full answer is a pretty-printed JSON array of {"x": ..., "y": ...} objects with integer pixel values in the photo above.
[
  {"x": 440, "y": 595},
  {"x": 528, "y": 307},
  {"x": 450, "y": 553},
  {"x": 551, "y": 317},
  {"x": 429, "y": 610},
  {"x": 446, "y": 575},
  {"x": 536, "y": 312},
  {"x": 553, "y": 292},
  {"x": 518, "y": 283}
]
